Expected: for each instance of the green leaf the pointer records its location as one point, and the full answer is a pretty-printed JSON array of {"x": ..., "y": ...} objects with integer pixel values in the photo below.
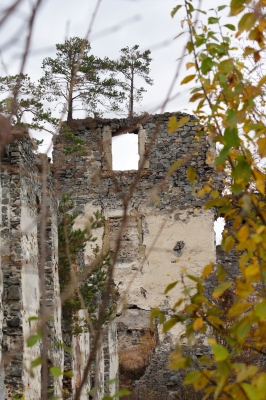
[
  {"x": 170, "y": 287},
  {"x": 36, "y": 362},
  {"x": 243, "y": 330},
  {"x": 213, "y": 20},
  {"x": 34, "y": 318},
  {"x": 110, "y": 381},
  {"x": 64, "y": 346},
  {"x": 220, "y": 353},
  {"x": 220, "y": 8},
  {"x": 222, "y": 156},
  {"x": 169, "y": 324},
  {"x": 69, "y": 374},
  {"x": 56, "y": 372},
  {"x": 230, "y": 26},
  {"x": 261, "y": 310},
  {"x": 175, "y": 9},
  {"x": 231, "y": 137},
  {"x": 252, "y": 392},
  {"x": 192, "y": 377},
  {"x": 206, "y": 65},
  {"x": 32, "y": 340},
  {"x": 190, "y": 47},
  {"x": 242, "y": 172},
  {"x": 123, "y": 392},
  {"x": 218, "y": 291}
]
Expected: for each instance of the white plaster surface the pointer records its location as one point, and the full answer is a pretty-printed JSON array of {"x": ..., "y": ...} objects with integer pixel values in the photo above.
[
  {"x": 30, "y": 300},
  {"x": 80, "y": 352},
  {"x": 58, "y": 354},
  {"x": 81, "y": 222},
  {"x": 113, "y": 355},
  {"x": 161, "y": 264}
]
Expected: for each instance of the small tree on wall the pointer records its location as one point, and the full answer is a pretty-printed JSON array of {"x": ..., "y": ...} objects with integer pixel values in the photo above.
[
  {"x": 133, "y": 63},
  {"x": 78, "y": 80}
]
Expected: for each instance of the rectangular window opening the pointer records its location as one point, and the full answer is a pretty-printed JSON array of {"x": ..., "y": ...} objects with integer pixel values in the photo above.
[{"x": 125, "y": 155}]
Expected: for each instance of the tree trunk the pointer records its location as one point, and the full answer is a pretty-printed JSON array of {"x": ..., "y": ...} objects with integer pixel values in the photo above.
[
  {"x": 70, "y": 110},
  {"x": 131, "y": 96}
]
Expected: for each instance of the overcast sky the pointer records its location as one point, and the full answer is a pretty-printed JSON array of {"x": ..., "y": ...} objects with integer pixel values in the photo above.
[
  {"x": 118, "y": 24},
  {"x": 144, "y": 22}
]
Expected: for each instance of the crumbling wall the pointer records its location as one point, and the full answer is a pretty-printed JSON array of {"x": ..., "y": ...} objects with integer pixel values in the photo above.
[
  {"x": 167, "y": 227},
  {"x": 163, "y": 212},
  {"x": 21, "y": 196}
]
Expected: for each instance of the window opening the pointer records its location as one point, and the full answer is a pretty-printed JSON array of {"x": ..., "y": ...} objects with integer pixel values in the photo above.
[
  {"x": 125, "y": 154},
  {"x": 219, "y": 224}
]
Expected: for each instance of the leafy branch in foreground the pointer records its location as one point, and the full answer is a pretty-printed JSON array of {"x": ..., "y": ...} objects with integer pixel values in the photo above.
[{"x": 230, "y": 107}]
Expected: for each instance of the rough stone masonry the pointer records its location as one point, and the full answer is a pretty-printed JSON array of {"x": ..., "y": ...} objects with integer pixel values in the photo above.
[{"x": 167, "y": 229}]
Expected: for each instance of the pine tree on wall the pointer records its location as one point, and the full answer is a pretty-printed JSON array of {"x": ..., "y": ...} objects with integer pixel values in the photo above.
[
  {"x": 80, "y": 81},
  {"x": 133, "y": 63}
]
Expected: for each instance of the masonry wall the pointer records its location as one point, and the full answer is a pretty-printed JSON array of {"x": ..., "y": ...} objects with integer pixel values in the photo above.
[
  {"x": 21, "y": 196},
  {"x": 167, "y": 228}
]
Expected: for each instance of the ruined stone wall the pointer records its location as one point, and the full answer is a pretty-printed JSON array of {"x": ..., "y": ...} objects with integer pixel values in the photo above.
[
  {"x": 20, "y": 201},
  {"x": 167, "y": 228}
]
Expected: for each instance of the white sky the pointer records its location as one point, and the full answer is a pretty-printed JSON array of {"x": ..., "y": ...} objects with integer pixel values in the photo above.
[{"x": 144, "y": 22}]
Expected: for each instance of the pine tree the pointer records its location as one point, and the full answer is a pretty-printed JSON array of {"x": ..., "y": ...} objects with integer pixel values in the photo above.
[
  {"x": 78, "y": 80},
  {"x": 133, "y": 63}
]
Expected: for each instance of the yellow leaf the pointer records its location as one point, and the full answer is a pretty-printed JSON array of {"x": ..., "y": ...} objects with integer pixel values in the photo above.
[
  {"x": 243, "y": 289},
  {"x": 246, "y": 372},
  {"x": 218, "y": 291},
  {"x": 207, "y": 270},
  {"x": 173, "y": 124},
  {"x": 190, "y": 65},
  {"x": 252, "y": 272},
  {"x": 260, "y": 180},
  {"x": 262, "y": 81},
  {"x": 238, "y": 309},
  {"x": 243, "y": 233},
  {"x": 237, "y": 222},
  {"x": 262, "y": 146},
  {"x": 191, "y": 175},
  {"x": 228, "y": 243},
  {"x": 187, "y": 79},
  {"x": 201, "y": 192},
  {"x": 198, "y": 324},
  {"x": 177, "y": 164}
]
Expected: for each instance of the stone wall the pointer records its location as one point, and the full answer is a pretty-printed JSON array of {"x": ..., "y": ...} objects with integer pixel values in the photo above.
[
  {"x": 167, "y": 228},
  {"x": 21, "y": 196}
]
